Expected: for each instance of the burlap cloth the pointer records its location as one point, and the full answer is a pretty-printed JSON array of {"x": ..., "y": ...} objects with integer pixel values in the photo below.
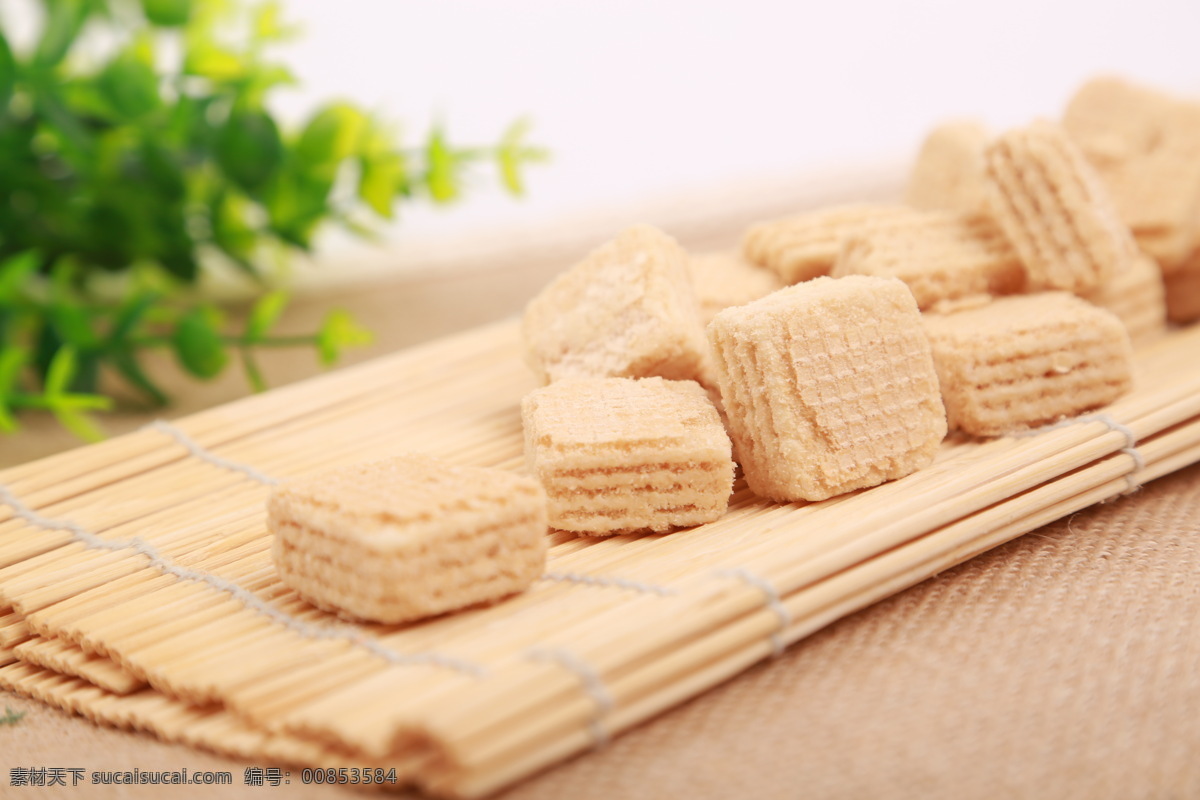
[{"x": 1065, "y": 664}]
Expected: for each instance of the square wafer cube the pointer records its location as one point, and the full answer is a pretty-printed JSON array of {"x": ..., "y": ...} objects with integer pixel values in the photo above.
[
  {"x": 617, "y": 455},
  {"x": 726, "y": 279},
  {"x": 1028, "y": 360},
  {"x": 1052, "y": 206},
  {"x": 948, "y": 173},
  {"x": 940, "y": 255},
  {"x": 805, "y": 246},
  {"x": 1135, "y": 295},
  {"x": 829, "y": 386},
  {"x": 627, "y": 310},
  {"x": 408, "y": 537}
]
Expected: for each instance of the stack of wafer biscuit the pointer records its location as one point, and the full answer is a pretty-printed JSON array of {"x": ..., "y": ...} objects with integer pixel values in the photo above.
[
  {"x": 618, "y": 455},
  {"x": 409, "y": 537}
]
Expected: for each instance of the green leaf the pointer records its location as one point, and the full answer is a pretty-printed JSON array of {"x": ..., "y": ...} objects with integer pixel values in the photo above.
[
  {"x": 67, "y": 414},
  {"x": 130, "y": 85},
  {"x": 15, "y": 275},
  {"x": 227, "y": 218},
  {"x": 440, "y": 177},
  {"x": 338, "y": 332},
  {"x": 331, "y": 136},
  {"x": 64, "y": 20},
  {"x": 130, "y": 314},
  {"x": 264, "y": 315},
  {"x": 205, "y": 59},
  {"x": 167, "y": 13},
  {"x": 197, "y": 342},
  {"x": 379, "y": 182},
  {"x": 254, "y": 375},
  {"x": 8, "y": 72},
  {"x": 73, "y": 324},
  {"x": 61, "y": 372},
  {"x": 269, "y": 25},
  {"x": 249, "y": 148},
  {"x": 12, "y": 361},
  {"x": 508, "y": 156}
]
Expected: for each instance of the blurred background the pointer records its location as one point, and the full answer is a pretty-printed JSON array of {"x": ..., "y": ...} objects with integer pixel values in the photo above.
[{"x": 697, "y": 116}]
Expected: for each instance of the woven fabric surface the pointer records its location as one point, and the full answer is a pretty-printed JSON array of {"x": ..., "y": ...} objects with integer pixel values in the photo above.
[{"x": 1061, "y": 665}]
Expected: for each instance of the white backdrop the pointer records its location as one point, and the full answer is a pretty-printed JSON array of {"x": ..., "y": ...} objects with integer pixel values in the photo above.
[{"x": 645, "y": 99}]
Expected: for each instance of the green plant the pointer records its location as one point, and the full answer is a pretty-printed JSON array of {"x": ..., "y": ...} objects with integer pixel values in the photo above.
[{"x": 123, "y": 173}]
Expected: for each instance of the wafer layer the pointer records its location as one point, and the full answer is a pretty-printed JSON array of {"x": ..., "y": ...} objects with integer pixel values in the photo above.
[
  {"x": 627, "y": 310},
  {"x": 618, "y": 455},
  {"x": 806, "y": 246},
  {"x": 1051, "y": 205},
  {"x": 940, "y": 255},
  {"x": 726, "y": 279},
  {"x": 1028, "y": 360},
  {"x": 829, "y": 386},
  {"x": 1135, "y": 295},
  {"x": 408, "y": 537},
  {"x": 948, "y": 173},
  {"x": 1182, "y": 289}
]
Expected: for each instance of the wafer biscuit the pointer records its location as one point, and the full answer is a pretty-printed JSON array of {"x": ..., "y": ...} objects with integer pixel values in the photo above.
[
  {"x": 948, "y": 173},
  {"x": 726, "y": 279},
  {"x": 805, "y": 246},
  {"x": 1051, "y": 205},
  {"x": 627, "y": 310},
  {"x": 940, "y": 255},
  {"x": 1182, "y": 288},
  {"x": 1146, "y": 147},
  {"x": 829, "y": 386},
  {"x": 617, "y": 455},
  {"x": 408, "y": 537},
  {"x": 1135, "y": 296},
  {"x": 1028, "y": 360}
]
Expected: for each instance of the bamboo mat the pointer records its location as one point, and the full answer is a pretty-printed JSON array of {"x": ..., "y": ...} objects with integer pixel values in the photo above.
[{"x": 136, "y": 585}]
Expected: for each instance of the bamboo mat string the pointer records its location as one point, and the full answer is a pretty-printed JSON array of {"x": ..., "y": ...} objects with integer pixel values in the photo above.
[
  {"x": 1130, "y": 449},
  {"x": 610, "y": 581},
  {"x": 592, "y": 683},
  {"x": 198, "y": 451},
  {"x": 244, "y": 596},
  {"x": 774, "y": 602}
]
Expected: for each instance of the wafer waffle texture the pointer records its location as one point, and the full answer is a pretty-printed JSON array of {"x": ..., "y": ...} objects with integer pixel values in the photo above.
[
  {"x": 1136, "y": 295},
  {"x": 940, "y": 256},
  {"x": 618, "y": 455},
  {"x": 627, "y": 310},
  {"x": 1025, "y": 361},
  {"x": 829, "y": 386},
  {"x": 725, "y": 279},
  {"x": 1146, "y": 147},
  {"x": 806, "y": 246},
  {"x": 1055, "y": 211},
  {"x": 408, "y": 537},
  {"x": 948, "y": 171}
]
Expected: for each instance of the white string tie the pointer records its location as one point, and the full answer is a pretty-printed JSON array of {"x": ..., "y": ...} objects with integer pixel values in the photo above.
[
  {"x": 592, "y": 684},
  {"x": 774, "y": 602}
]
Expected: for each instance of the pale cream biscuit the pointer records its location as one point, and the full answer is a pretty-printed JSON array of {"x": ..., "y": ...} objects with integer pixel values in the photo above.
[
  {"x": 726, "y": 279},
  {"x": 1028, "y": 360},
  {"x": 408, "y": 537},
  {"x": 805, "y": 246},
  {"x": 940, "y": 255},
  {"x": 1136, "y": 296},
  {"x": 627, "y": 310},
  {"x": 1146, "y": 147},
  {"x": 1055, "y": 211},
  {"x": 948, "y": 173},
  {"x": 617, "y": 455},
  {"x": 829, "y": 386}
]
